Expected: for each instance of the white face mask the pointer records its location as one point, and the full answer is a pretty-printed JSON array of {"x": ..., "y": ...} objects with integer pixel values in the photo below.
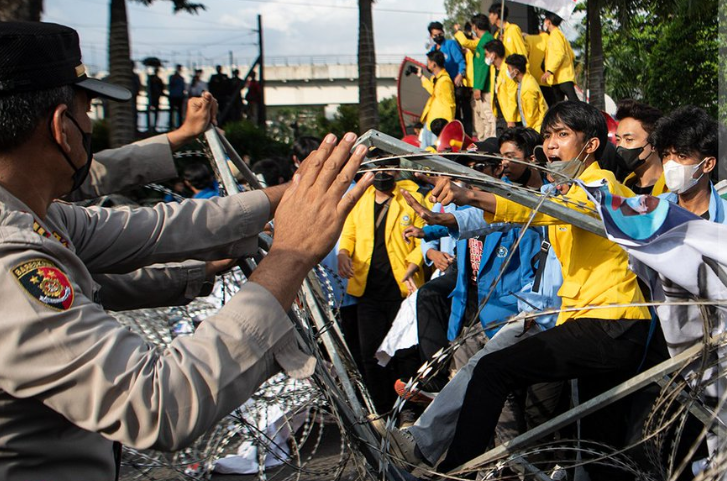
[
  {"x": 680, "y": 178},
  {"x": 488, "y": 61},
  {"x": 510, "y": 74}
]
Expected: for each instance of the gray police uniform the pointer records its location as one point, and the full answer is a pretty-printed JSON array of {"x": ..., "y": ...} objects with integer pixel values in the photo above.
[{"x": 73, "y": 380}]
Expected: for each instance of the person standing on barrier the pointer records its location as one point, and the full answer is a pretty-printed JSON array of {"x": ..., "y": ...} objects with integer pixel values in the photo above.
[{"x": 74, "y": 383}]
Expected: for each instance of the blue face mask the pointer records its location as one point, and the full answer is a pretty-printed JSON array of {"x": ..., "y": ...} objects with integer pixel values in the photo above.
[{"x": 79, "y": 173}]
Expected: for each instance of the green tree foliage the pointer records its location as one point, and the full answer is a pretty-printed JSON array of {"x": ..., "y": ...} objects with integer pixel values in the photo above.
[
  {"x": 389, "y": 117},
  {"x": 665, "y": 56},
  {"x": 459, "y": 11}
]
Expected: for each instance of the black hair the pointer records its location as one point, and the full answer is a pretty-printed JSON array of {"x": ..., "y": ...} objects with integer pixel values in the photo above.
[
  {"x": 553, "y": 18},
  {"x": 579, "y": 117},
  {"x": 437, "y": 126},
  {"x": 497, "y": 9},
  {"x": 686, "y": 130},
  {"x": 304, "y": 145},
  {"x": 644, "y": 113},
  {"x": 525, "y": 138},
  {"x": 437, "y": 57},
  {"x": 518, "y": 61},
  {"x": 21, "y": 113},
  {"x": 496, "y": 46},
  {"x": 275, "y": 171},
  {"x": 199, "y": 175},
  {"x": 435, "y": 26},
  {"x": 481, "y": 22}
]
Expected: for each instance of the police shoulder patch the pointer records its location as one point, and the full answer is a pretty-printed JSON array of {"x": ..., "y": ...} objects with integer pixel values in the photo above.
[{"x": 45, "y": 283}]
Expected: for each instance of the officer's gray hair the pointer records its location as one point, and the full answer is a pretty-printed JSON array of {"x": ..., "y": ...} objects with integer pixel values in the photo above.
[{"x": 21, "y": 113}]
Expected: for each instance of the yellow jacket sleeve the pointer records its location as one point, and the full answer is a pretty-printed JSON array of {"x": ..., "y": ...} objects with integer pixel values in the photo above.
[
  {"x": 470, "y": 44},
  {"x": 533, "y": 103},
  {"x": 427, "y": 84},
  {"x": 348, "y": 235},
  {"x": 554, "y": 54},
  {"x": 415, "y": 256},
  {"x": 444, "y": 93},
  {"x": 507, "y": 98}
]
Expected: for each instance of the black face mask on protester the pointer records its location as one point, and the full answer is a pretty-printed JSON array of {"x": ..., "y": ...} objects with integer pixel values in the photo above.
[
  {"x": 79, "y": 174},
  {"x": 631, "y": 158},
  {"x": 438, "y": 39},
  {"x": 384, "y": 182}
]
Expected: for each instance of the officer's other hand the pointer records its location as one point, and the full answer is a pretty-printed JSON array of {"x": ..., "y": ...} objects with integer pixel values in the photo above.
[
  {"x": 201, "y": 111},
  {"x": 445, "y": 191},
  {"x": 408, "y": 279},
  {"x": 311, "y": 214}
]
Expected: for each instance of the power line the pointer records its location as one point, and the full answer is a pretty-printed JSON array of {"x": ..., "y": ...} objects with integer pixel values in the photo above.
[{"x": 341, "y": 7}]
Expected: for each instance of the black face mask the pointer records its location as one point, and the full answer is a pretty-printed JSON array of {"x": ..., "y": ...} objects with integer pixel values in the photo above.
[
  {"x": 438, "y": 39},
  {"x": 631, "y": 158},
  {"x": 79, "y": 174},
  {"x": 384, "y": 182}
]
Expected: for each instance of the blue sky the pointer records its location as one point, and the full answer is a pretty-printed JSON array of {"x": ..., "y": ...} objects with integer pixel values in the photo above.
[{"x": 291, "y": 28}]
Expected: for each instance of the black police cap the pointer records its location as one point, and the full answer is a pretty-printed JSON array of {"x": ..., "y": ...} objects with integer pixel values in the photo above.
[{"x": 36, "y": 56}]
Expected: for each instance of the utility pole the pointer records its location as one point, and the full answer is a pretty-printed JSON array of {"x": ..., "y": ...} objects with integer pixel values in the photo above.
[
  {"x": 231, "y": 61},
  {"x": 261, "y": 106}
]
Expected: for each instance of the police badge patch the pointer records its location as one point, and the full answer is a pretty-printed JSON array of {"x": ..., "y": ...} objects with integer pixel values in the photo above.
[{"x": 46, "y": 283}]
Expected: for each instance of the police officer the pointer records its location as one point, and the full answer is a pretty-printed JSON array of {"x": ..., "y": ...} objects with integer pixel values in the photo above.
[{"x": 73, "y": 382}]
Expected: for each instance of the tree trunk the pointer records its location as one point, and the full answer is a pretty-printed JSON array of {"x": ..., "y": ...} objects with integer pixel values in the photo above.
[
  {"x": 368, "y": 103},
  {"x": 25, "y": 10},
  {"x": 122, "y": 125},
  {"x": 596, "y": 80}
]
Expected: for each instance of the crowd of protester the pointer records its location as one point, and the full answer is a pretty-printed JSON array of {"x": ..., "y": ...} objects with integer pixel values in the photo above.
[{"x": 515, "y": 96}]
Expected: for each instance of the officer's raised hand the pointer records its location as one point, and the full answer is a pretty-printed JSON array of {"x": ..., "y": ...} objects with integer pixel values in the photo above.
[
  {"x": 311, "y": 214},
  {"x": 201, "y": 111}
]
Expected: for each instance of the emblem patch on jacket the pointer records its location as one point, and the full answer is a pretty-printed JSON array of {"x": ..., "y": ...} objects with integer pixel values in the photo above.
[
  {"x": 46, "y": 283},
  {"x": 502, "y": 251},
  {"x": 405, "y": 220}
]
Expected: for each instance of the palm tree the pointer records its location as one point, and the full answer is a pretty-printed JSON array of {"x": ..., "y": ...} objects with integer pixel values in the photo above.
[
  {"x": 27, "y": 10},
  {"x": 122, "y": 124},
  {"x": 368, "y": 108}
]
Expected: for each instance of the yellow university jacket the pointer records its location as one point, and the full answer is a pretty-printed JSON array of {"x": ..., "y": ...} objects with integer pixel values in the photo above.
[
  {"x": 358, "y": 238},
  {"x": 559, "y": 58},
  {"x": 536, "y": 45},
  {"x": 595, "y": 270},
  {"x": 512, "y": 39},
  {"x": 532, "y": 102},
  {"x": 659, "y": 188},
  {"x": 506, "y": 92},
  {"x": 469, "y": 45},
  {"x": 440, "y": 104}
]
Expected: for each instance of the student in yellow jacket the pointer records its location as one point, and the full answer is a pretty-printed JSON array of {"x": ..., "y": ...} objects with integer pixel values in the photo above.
[
  {"x": 601, "y": 334},
  {"x": 530, "y": 100},
  {"x": 512, "y": 39},
  {"x": 504, "y": 90},
  {"x": 382, "y": 269},
  {"x": 440, "y": 104},
  {"x": 559, "y": 56},
  {"x": 536, "y": 45},
  {"x": 637, "y": 122}
]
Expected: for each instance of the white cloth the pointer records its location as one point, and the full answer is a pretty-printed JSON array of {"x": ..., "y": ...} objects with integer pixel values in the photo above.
[{"x": 403, "y": 332}]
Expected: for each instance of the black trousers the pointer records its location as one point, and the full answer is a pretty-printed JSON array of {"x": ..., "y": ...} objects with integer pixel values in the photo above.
[
  {"x": 582, "y": 348},
  {"x": 548, "y": 95},
  {"x": 375, "y": 317},
  {"x": 463, "y": 108},
  {"x": 349, "y": 326},
  {"x": 433, "y": 309},
  {"x": 563, "y": 91}
]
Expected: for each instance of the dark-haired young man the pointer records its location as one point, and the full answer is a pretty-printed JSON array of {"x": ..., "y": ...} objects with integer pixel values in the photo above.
[
  {"x": 518, "y": 143},
  {"x": 199, "y": 179},
  {"x": 600, "y": 345},
  {"x": 484, "y": 119},
  {"x": 440, "y": 104},
  {"x": 687, "y": 142},
  {"x": 530, "y": 100},
  {"x": 636, "y": 125},
  {"x": 559, "y": 57}
]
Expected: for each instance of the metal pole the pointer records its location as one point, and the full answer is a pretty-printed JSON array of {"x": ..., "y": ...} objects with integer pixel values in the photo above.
[
  {"x": 502, "y": 20},
  {"x": 586, "y": 91},
  {"x": 261, "y": 105}
]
